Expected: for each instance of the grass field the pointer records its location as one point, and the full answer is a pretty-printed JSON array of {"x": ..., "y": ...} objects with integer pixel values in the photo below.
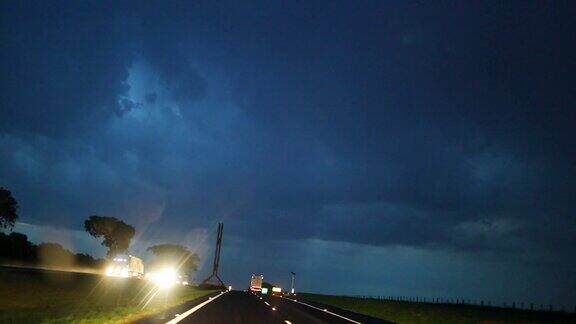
[
  {"x": 34, "y": 296},
  {"x": 406, "y": 312}
]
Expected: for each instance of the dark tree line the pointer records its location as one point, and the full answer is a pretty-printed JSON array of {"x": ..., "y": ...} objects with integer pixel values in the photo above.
[{"x": 16, "y": 248}]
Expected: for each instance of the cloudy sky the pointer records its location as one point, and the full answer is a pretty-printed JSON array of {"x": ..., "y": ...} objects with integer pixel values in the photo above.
[{"x": 375, "y": 148}]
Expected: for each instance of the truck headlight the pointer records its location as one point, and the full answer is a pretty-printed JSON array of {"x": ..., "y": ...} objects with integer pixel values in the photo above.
[{"x": 165, "y": 278}]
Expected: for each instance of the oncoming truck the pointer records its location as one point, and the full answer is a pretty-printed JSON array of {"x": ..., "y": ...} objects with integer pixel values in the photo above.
[
  {"x": 256, "y": 283},
  {"x": 125, "y": 266}
]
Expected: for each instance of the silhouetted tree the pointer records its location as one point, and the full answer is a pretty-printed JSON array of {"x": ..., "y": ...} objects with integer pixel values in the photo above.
[
  {"x": 176, "y": 256},
  {"x": 8, "y": 209},
  {"x": 16, "y": 247},
  {"x": 116, "y": 234}
]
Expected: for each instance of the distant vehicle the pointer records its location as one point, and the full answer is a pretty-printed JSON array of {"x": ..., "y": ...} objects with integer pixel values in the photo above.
[
  {"x": 182, "y": 279},
  {"x": 125, "y": 266},
  {"x": 256, "y": 283},
  {"x": 276, "y": 291}
]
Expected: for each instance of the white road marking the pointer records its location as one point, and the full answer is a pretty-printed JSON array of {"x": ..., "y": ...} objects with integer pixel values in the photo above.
[
  {"x": 287, "y": 322},
  {"x": 266, "y": 303},
  {"x": 193, "y": 309},
  {"x": 273, "y": 308},
  {"x": 324, "y": 310}
]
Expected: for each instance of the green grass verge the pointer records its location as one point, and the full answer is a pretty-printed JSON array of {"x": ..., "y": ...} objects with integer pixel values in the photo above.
[
  {"x": 405, "y": 312},
  {"x": 31, "y": 296}
]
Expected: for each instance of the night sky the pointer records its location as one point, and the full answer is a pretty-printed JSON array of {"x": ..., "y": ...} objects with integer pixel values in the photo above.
[{"x": 374, "y": 148}]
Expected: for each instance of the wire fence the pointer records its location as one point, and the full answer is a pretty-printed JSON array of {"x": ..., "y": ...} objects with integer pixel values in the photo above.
[{"x": 535, "y": 307}]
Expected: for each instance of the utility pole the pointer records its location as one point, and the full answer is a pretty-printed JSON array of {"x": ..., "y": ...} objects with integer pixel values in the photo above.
[
  {"x": 292, "y": 284},
  {"x": 216, "y": 264}
]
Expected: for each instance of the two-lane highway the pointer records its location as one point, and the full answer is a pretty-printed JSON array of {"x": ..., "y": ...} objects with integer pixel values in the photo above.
[
  {"x": 244, "y": 307},
  {"x": 232, "y": 307}
]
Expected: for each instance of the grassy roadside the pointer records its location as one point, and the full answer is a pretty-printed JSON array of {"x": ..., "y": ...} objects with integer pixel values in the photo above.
[
  {"x": 33, "y": 296},
  {"x": 405, "y": 312}
]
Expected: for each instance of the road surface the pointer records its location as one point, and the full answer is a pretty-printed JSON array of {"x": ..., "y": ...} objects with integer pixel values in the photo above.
[{"x": 245, "y": 307}]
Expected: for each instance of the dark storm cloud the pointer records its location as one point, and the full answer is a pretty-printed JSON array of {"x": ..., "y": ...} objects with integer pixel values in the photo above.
[
  {"x": 63, "y": 66},
  {"x": 441, "y": 126}
]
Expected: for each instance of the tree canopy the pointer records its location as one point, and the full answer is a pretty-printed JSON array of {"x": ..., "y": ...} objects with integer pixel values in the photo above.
[
  {"x": 174, "y": 255},
  {"x": 116, "y": 234},
  {"x": 8, "y": 209},
  {"x": 15, "y": 246}
]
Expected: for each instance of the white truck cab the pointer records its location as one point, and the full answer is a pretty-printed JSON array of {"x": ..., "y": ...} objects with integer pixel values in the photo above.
[{"x": 123, "y": 265}]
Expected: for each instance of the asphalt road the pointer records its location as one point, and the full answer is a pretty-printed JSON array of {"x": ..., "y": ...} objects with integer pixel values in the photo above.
[{"x": 245, "y": 307}]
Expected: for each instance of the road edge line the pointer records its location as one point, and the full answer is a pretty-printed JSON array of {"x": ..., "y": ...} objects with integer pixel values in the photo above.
[
  {"x": 194, "y": 309},
  {"x": 324, "y": 310}
]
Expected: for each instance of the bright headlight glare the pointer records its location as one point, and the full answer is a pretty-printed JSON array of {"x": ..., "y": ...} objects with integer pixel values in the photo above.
[{"x": 165, "y": 278}]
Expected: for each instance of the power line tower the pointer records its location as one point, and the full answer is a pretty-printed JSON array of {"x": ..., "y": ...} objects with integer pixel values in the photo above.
[{"x": 214, "y": 279}]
